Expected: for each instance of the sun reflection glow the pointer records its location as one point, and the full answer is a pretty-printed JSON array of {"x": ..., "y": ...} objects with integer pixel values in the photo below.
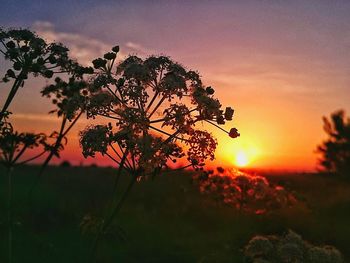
[
  {"x": 241, "y": 159},
  {"x": 239, "y": 153}
]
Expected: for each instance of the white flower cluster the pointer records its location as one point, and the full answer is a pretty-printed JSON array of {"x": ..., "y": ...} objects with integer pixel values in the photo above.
[{"x": 290, "y": 248}]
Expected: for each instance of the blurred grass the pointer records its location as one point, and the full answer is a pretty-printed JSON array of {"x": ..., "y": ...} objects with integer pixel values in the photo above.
[{"x": 163, "y": 220}]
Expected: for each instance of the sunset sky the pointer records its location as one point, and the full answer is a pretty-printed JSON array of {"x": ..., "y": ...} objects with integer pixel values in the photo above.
[{"x": 281, "y": 65}]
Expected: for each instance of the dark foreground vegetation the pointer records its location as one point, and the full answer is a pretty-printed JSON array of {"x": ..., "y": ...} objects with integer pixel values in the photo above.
[{"x": 163, "y": 220}]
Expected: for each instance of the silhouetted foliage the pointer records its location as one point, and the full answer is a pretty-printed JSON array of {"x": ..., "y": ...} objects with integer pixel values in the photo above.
[
  {"x": 336, "y": 149},
  {"x": 65, "y": 163},
  {"x": 249, "y": 193},
  {"x": 289, "y": 248},
  {"x": 155, "y": 106},
  {"x": 29, "y": 55},
  {"x": 14, "y": 144}
]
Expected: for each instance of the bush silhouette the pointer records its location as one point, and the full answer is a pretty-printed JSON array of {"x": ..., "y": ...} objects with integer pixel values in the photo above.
[
  {"x": 335, "y": 150},
  {"x": 289, "y": 248},
  {"x": 248, "y": 193}
]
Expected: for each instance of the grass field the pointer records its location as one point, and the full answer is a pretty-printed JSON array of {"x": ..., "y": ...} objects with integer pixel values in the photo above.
[{"x": 163, "y": 220}]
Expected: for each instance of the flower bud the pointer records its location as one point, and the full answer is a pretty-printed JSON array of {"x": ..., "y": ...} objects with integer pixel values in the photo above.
[
  {"x": 115, "y": 49},
  {"x": 48, "y": 74},
  {"x": 17, "y": 65},
  {"x": 210, "y": 90},
  {"x": 220, "y": 120},
  {"x": 11, "y": 73},
  {"x": 25, "y": 49},
  {"x": 99, "y": 63},
  {"x": 10, "y": 44},
  {"x": 229, "y": 113},
  {"x": 234, "y": 133},
  {"x": 110, "y": 56}
]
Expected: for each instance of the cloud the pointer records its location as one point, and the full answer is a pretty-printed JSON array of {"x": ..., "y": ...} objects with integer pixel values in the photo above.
[
  {"x": 137, "y": 48},
  {"x": 82, "y": 48},
  {"x": 35, "y": 117}
]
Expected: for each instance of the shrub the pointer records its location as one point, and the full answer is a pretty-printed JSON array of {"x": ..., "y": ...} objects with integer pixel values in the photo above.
[
  {"x": 335, "y": 150},
  {"x": 243, "y": 191},
  {"x": 290, "y": 248}
]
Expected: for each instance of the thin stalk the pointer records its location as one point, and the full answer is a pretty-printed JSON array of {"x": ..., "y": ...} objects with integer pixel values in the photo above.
[
  {"x": 10, "y": 213},
  {"x": 120, "y": 157},
  {"x": 49, "y": 157},
  {"x": 115, "y": 96},
  {"x": 171, "y": 137},
  {"x": 164, "y": 119},
  {"x": 72, "y": 124},
  {"x": 168, "y": 134},
  {"x": 121, "y": 166},
  {"x": 10, "y": 97},
  {"x": 112, "y": 158},
  {"x": 115, "y": 151},
  {"x": 217, "y": 126},
  {"x": 123, "y": 152},
  {"x": 19, "y": 154},
  {"x": 151, "y": 102},
  {"x": 120, "y": 203},
  {"x": 157, "y": 106},
  {"x": 32, "y": 158},
  {"x": 109, "y": 220}
]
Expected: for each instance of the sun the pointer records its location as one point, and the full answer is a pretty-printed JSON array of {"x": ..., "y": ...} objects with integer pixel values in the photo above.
[
  {"x": 241, "y": 159},
  {"x": 240, "y": 153}
]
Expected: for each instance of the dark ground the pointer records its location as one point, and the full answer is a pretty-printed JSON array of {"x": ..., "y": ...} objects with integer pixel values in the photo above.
[{"x": 163, "y": 220}]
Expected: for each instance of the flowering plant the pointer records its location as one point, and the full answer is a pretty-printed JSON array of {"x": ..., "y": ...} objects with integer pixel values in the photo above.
[
  {"x": 250, "y": 193},
  {"x": 154, "y": 107}
]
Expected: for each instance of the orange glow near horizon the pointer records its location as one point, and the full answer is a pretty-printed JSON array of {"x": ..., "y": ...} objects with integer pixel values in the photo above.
[{"x": 263, "y": 60}]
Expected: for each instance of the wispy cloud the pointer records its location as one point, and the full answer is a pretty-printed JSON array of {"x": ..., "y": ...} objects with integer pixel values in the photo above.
[
  {"x": 82, "y": 48},
  {"x": 137, "y": 48},
  {"x": 33, "y": 116}
]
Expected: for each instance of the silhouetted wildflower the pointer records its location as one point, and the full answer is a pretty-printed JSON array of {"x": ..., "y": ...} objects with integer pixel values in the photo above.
[
  {"x": 243, "y": 191},
  {"x": 158, "y": 102},
  {"x": 289, "y": 248}
]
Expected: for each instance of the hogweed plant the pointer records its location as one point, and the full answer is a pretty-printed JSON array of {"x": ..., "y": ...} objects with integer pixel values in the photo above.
[
  {"x": 70, "y": 98},
  {"x": 13, "y": 145},
  {"x": 28, "y": 55},
  {"x": 155, "y": 109}
]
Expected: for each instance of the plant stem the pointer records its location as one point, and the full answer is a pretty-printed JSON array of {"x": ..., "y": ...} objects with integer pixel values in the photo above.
[
  {"x": 9, "y": 213},
  {"x": 10, "y": 97},
  {"x": 49, "y": 157},
  {"x": 106, "y": 223},
  {"x": 153, "y": 99},
  {"x": 31, "y": 158},
  {"x": 157, "y": 106},
  {"x": 72, "y": 124},
  {"x": 217, "y": 126}
]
